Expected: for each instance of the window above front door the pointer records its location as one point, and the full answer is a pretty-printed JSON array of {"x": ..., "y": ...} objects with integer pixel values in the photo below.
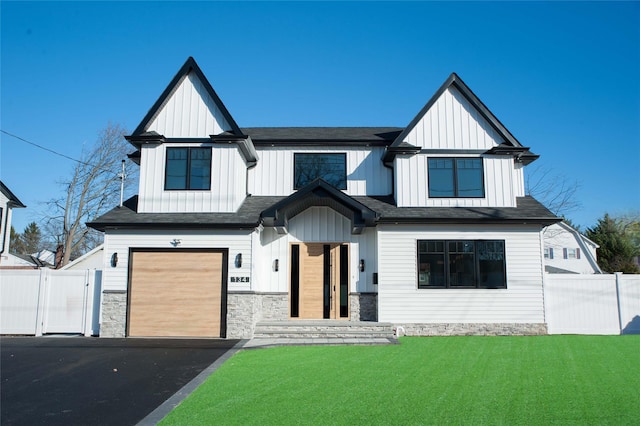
[{"x": 330, "y": 167}]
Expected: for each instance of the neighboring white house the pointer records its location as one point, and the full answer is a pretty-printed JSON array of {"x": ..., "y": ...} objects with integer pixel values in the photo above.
[
  {"x": 425, "y": 226},
  {"x": 568, "y": 251},
  {"x": 8, "y": 202},
  {"x": 93, "y": 259}
]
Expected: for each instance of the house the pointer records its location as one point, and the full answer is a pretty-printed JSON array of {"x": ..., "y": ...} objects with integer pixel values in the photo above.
[
  {"x": 425, "y": 226},
  {"x": 567, "y": 251},
  {"x": 8, "y": 202},
  {"x": 93, "y": 259}
]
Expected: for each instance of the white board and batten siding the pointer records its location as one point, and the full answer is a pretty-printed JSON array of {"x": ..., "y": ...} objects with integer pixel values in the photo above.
[
  {"x": 453, "y": 123},
  {"x": 401, "y": 301},
  {"x": 274, "y": 174},
  {"x": 189, "y": 113},
  {"x": 314, "y": 225},
  {"x": 500, "y": 182},
  {"x": 228, "y": 183},
  {"x": 116, "y": 278}
]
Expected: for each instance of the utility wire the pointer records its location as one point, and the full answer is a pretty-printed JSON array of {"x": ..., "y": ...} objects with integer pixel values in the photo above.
[{"x": 55, "y": 152}]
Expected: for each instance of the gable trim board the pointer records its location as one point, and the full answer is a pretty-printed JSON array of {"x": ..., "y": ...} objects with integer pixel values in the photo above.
[{"x": 254, "y": 215}]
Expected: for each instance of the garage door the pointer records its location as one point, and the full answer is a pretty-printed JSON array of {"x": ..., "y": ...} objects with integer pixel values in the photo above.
[{"x": 176, "y": 294}]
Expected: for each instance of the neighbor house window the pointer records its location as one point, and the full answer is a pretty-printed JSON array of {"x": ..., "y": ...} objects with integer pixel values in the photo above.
[
  {"x": 188, "y": 168},
  {"x": 571, "y": 253},
  {"x": 456, "y": 177},
  {"x": 548, "y": 253},
  {"x": 461, "y": 264},
  {"x": 330, "y": 167}
]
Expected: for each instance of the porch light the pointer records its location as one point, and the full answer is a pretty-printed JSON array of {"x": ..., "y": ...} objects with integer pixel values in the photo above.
[
  {"x": 114, "y": 259},
  {"x": 361, "y": 265},
  {"x": 238, "y": 260}
]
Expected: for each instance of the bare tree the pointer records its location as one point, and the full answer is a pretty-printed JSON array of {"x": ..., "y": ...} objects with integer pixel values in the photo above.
[
  {"x": 557, "y": 192},
  {"x": 92, "y": 189}
]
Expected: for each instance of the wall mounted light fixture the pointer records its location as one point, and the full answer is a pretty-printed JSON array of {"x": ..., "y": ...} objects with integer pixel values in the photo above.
[
  {"x": 238, "y": 260},
  {"x": 361, "y": 265},
  {"x": 276, "y": 265},
  {"x": 114, "y": 259}
]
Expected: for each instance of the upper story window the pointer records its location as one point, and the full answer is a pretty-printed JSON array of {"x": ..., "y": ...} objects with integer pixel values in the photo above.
[
  {"x": 456, "y": 177},
  {"x": 330, "y": 167},
  {"x": 571, "y": 253},
  {"x": 188, "y": 168},
  {"x": 548, "y": 253},
  {"x": 461, "y": 264}
]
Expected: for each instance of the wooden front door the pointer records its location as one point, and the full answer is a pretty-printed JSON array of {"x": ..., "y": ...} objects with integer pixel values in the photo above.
[{"x": 319, "y": 284}]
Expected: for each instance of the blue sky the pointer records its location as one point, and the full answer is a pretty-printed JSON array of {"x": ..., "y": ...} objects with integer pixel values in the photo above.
[{"x": 564, "y": 78}]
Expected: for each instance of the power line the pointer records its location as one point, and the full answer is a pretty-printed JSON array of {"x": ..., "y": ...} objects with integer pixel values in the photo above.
[{"x": 55, "y": 152}]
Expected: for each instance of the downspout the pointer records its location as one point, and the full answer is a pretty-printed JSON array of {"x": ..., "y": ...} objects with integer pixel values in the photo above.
[
  {"x": 544, "y": 278},
  {"x": 4, "y": 233}
]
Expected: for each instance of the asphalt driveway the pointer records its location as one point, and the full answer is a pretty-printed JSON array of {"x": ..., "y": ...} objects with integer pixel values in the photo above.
[{"x": 78, "y": 380}]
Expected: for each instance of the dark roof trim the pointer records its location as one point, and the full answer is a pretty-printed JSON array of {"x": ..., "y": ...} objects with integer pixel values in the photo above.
[
  {"x": 100, "y": 226},
  {"x": 319, "y": 142},
  {"x": 245, "y": 144},
  {"x": 453, "y": 220},
  {"x": 402, "y": 149},
  {"x": 189, "y": 65},
  {"x": 14, "y": 202},
  {"x": 318, "y": 193},
  {"x": 456, "y": 81},
  {"x": 520, "y": 154}
]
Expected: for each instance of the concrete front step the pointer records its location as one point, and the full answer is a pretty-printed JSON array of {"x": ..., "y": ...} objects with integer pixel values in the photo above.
[{"x": 323, "y": 329}]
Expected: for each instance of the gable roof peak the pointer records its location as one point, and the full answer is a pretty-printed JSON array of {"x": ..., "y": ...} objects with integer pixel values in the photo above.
[
  {"x": 189, "y": 66},
  {"x": 455, "y": 80}
]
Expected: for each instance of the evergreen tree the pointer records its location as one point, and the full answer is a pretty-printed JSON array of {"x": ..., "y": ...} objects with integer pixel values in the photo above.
[
  {"x": 616, "y": 250},
  {"x": 15, "y": 242},
  {"x": 32, "y": 238}
]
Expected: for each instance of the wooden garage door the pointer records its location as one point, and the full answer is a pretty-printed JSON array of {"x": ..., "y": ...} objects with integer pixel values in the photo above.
[{"x": 176, "y": 294}]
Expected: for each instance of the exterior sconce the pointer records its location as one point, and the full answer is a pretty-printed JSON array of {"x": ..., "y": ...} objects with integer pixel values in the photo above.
[
  {"x": 114, "y": 260},
  {"x": 238, "y": 260},
  {"x": 176, "y": 242},
  {"x": 276, "y": 265},
  {"x": 361, "y": 265}
]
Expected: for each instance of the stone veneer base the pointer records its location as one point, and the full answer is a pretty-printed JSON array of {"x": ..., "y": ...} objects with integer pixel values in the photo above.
[
  {"x": 470, "y": 329},
  {"x": 114, "y": 313}
]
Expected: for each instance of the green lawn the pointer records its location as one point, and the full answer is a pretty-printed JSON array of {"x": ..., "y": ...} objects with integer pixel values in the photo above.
[{"x": 437, "y": 380}]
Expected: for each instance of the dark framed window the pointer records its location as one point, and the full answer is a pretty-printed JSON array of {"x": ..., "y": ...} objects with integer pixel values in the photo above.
[
  {"x": 330, "y": 167},
  {"x": 456, "y": 178},
  {"x": 461, "y": 264},
  {"x": 188, "y": 168}
]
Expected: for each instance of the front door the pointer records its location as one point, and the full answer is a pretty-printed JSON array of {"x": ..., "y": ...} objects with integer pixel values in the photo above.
[{"x": 319, "y": 281}]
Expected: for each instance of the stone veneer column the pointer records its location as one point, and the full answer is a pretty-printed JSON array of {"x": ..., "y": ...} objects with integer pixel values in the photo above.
[
  {"x": 245, "y": 309},
  {"x": 364, "y": 306},
  {"x": 114, "y": 313}
]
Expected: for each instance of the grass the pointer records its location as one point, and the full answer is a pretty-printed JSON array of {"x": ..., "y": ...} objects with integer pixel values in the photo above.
[{"x": 438, "y": 380}]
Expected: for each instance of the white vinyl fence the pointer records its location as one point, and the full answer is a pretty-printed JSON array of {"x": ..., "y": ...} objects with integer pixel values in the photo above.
[
  {"x": 36, "y": 302},
  {"x": 592, "y": 304}
]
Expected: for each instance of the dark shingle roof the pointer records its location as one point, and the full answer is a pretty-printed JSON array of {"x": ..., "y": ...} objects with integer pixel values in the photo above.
[
  {"x": 528, "y": 210},
  {"x": 264, "y": 135},
  {"x": 247, "y": 217}
]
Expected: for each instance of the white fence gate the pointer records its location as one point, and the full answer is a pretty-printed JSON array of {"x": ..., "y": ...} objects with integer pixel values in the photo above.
[
  {"x": 37, "y": 302},
  {"x": 592, "y": 304}
]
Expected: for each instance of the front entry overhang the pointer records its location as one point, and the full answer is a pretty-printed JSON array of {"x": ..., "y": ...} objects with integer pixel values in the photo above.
[{"x": 318, "y": 193}]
